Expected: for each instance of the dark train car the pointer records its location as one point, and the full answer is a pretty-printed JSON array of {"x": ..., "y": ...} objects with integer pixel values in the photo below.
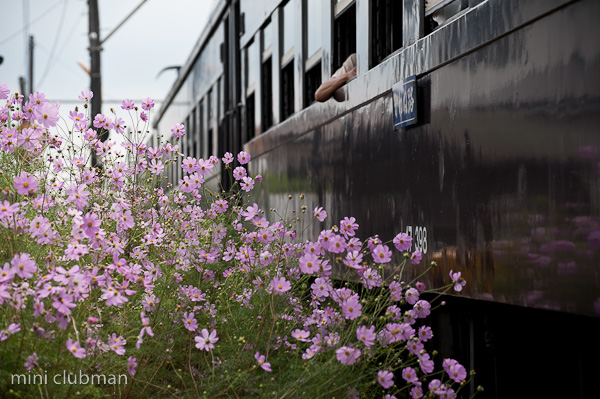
[{"x": 474, "y": 125}]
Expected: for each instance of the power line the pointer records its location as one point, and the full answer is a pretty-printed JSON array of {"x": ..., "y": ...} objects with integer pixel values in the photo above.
[
  {"x": 54, "y": 44},
  {"x": 28, "y": 24}
]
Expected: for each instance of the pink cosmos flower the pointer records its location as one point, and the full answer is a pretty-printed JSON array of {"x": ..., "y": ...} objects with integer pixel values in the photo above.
[
  {"x": 243, "y": 157},
  {"x": 348, "y": 227},
  {"x": 7, "y": 209},
  {"x": 280, "y": 285},
  {"x": 148, "y": 104},
  {"x": 409, "y": 374},
  {"x": 25, "y": 184},
  {"x": 261, "y": 361},
  {"x": 422, "y": 309},
  {"x": 205, "y": 167},
  {"x": 301, "y": 335},
  {"x": 425, "y": 333},
  {"x": 189, "y": 321},
  {"x": 32, "y": 362},
  {"x": 320, "y": 214},
  {"x": 352, "y": 308},
  {"x": 227, "y": 158},
  {"x": 78, "y": 195},
  {"x": 347, "y": 355},
  {"x": 402, "y": 242},
  {"x": 178, "y": 130},
  {"x": 47, "y": 114},
  {"x": 426, "y": 363},
  {"x": 459, "y": 282},
  {"x": 131, "y": 365},
  {"x": 247, "y": 184},
  {"x": 188, "y": 165},
  {"x": 366, "y": 335},
  {"x": 156, "y": 167},
  {"x": 309, "y": 263},
  {"x": 456, "y": 371},
  {"x": 239, "y": 173},
  {"x": 205, "y": 341},
  {"x": 321, "y": 287},
  {"x": 411, "y": 296},
  {"x": 4, "y": 91},
  {"x": 117, "y": 344},
  {"x": 75, "y": 349},
  {"x": 395, "y": 291},
  {"x": 127, "y": 105},
  {"x": 6, "y": 273},
  {"x": 385, "y": 378},
  {"x": 86, "y": 95},
  {"x": 416, "y": 257},
  {"x": 382, "y": 254},
  {"x": 23, "y": 265}
]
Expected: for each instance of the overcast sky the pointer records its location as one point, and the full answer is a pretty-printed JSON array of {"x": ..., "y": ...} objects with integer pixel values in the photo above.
[{"x": 161, "y": 33}]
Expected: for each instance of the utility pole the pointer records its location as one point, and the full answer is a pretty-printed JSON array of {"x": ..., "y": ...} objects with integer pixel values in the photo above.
[
  {"x": 22, "y": 85},
  {"x": 95, "y": 48},
  {"x": 30, "y": 65}
]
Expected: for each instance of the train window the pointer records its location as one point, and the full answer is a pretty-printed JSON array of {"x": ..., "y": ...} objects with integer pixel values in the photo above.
[
  {"x": 314, "y": 27},
  {"x": 186, "y": 140},
  {"x": 438, "y": 12},
  {"x": 344, "y": 30},
  {"x": 312, "y": 81},
  {"x": 267, "y": 40},
  {"x": 386, "y": 29},
  {"x": 199, "y": 144},
  {"x": 289, "y": 25},
  {"x": 209, "y": 120},
  {"x": 267, "y": 94},
  {"x": 287, "y": 90},
  {"x": 250, "y": 116},
  {"x": 192, "y": 133},
  {"x": 252, "y": 64}
]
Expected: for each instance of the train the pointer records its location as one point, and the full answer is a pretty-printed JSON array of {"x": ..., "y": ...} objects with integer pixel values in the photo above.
[{"x": 472, "y": 125}]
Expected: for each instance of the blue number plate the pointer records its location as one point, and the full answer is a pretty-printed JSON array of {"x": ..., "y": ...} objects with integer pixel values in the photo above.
[{"x": 405, "y": 102}]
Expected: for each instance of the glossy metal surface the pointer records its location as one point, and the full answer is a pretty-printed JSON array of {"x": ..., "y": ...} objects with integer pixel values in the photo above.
[{"x": 503, "y": 171}]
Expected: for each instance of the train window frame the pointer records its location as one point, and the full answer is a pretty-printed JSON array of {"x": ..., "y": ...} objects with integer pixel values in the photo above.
[
  {"x": 344, "y": 33},
  {"x": 266, "y": 45},
  {"x": 266, "y": 81},
  {"x": 287, "y": 90},
  {"x": 385, "y": 38},
  {"x": 252, "y": 66},
  {"x": 312, "y": 81},
  {"x": 442, "y": 13},
  {"x": 201, "y": 129},
  {"x": 341, "y": 6}
]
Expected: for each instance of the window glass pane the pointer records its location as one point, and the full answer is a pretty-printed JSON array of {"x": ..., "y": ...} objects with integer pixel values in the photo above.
[
  {"x": 252, "y": 63},
  {"x": 267, "y": 36},
  {"x": 289, "y": 23},
  {"x": 315, "y": 26}
]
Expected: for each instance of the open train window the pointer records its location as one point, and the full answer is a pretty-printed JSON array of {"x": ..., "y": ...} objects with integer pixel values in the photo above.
[
  {"x": 312, "y": 81},
  {"x": 192, "y": 133},
  {"x": 267, "y": 94},
  {"x": 439, "y": 12},
  {"x": 209, "y": 119},
  {"x": 266, "y": 75},
  {"x": 200, "y": 144},
  {"x": 344, "y": 30},
  {"x": 386, "y": 29},
  {"x": 287, "y": 90},
  {"x": 287, "y": 60},
  {"x": 250, "y": 116},
  {"x": 314, "y": 49}
]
